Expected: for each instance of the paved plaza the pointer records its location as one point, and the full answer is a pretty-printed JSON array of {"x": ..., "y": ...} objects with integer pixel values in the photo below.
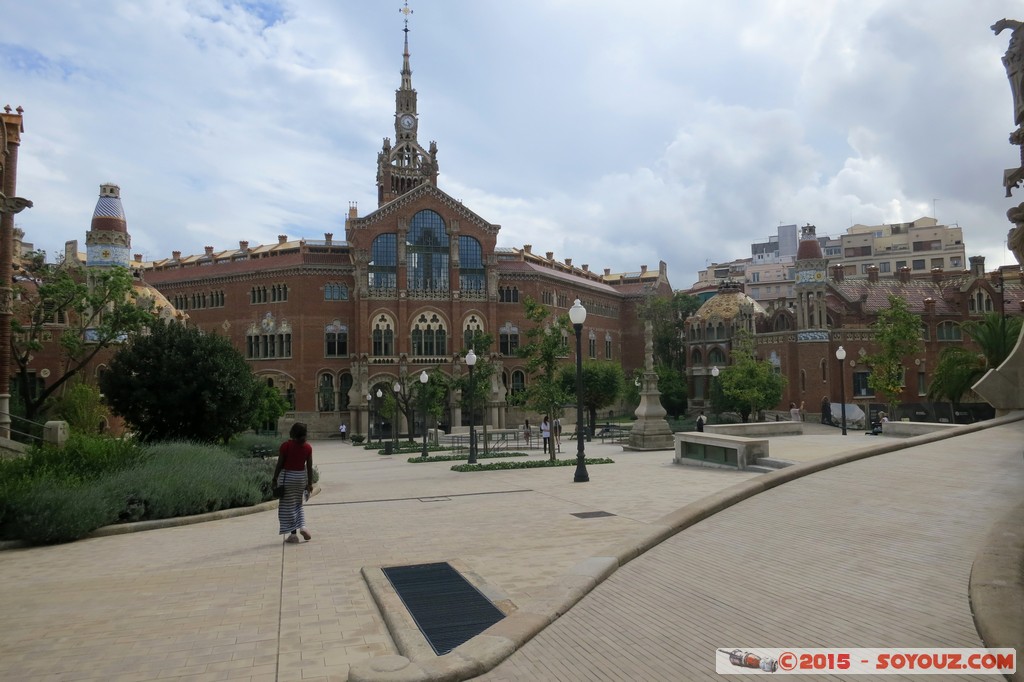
[{"x": 875, "y": 552}]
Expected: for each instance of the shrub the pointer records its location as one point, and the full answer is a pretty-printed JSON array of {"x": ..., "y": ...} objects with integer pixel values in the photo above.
[
  {"x": 455, "y": 458},
  {"x": 531, "y": 464},
  {"x": 51, "y": 511},
  {"x": 357, "y": 438}
]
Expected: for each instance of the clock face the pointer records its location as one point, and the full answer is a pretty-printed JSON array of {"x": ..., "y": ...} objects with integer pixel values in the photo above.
[{"x": 407, "y": 122}]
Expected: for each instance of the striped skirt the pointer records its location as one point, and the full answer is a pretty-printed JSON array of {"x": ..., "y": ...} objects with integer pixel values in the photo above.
[{"x": 289, "y": 511}]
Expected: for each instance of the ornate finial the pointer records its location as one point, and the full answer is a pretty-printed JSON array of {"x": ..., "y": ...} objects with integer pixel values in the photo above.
[
  {"x": 7, "y": 108},
  {"x": 404, "y": 9}
]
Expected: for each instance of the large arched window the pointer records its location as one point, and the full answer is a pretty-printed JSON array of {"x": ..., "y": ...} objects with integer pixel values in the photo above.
[
  {"x": 383, "y": 336},
  {"x": 336, "y": 340},
  {"x": 716, "y": 357},
  {"x": 471, "y": 264},
  {"x": 696, "y": 358},
  {"x": 508, "y": 339},
  {"x": 518, "y": 381},
  {"x": 429, "y": 336},
  {"x": 470, "y": 330},
  {"x": 383, "y": 270},
  {"x": 427, "y": 252},
  {"x": 325, "y": 393},
  {"x": 948, "y": 331}
]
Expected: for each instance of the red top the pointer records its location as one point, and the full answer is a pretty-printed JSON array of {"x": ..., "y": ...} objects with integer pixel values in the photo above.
[{"x": 295, "y": 454}]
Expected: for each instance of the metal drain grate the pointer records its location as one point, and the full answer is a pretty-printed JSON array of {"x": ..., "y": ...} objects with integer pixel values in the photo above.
[
  {"x": 448, "y": 610},
  {"x": 593, "y": 515}
]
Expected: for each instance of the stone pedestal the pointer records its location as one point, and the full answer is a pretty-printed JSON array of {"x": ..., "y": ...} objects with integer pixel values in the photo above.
[{"x": 650, "y": 430}]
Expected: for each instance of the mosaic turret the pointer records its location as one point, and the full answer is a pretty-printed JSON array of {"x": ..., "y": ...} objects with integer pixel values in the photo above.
[{"x": 108, "y": 242}]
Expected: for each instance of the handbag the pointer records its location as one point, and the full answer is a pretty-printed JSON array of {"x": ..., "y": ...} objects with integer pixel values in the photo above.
[{"x": 278, "y": 491}]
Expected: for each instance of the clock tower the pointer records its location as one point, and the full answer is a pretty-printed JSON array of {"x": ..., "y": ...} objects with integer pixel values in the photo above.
[
  {"x": 810, "y": 286},
  {"x": 406, "y": 165}
]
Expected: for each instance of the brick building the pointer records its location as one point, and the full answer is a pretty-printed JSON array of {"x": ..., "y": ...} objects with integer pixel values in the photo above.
[
  {"x": 830, "y": 310},
  {"x": 331, "y": 321}
]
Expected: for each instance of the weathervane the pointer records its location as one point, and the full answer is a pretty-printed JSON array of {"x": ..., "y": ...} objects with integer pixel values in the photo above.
[{"x": 406, "y": 11}]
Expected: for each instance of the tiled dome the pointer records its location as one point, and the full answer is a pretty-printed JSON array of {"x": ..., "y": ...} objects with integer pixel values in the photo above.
[
  {"x": 109, "y": 214},
  {"x": 727, "y": 304}
]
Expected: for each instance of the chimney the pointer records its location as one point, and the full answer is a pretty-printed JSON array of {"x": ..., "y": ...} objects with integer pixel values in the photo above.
[
  {"x": 282, "y": 238},
  {"x": 353, "y": 210},
  {"x": 329, "y": 238},
  {"x": 528, "y": 248},
  {"x": 607, "y": 272},
  {"x": 873, "y": 274},
  {"x": 938, "y": 275},
  {"x": 586, "y": 268},
  {"x": 903, "y": 275},
  {"x": 838, "y": 273},
  {"x": 568, "y": 261},
  {"x": 643, "y": 270},
  {"x": 977, "y": 266},
  {"x": 243, "y": 246},
  {"x": 929, "y": 306},
  {"x": 138, "y": 257},
  {"x": 550, "y": 255},
  {"x": 209, "y": 250},
  {"x": 175, "y": 255}
]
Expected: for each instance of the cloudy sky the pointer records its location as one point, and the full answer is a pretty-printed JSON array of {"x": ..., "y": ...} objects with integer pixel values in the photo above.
[{"x": 615, "y": 133}]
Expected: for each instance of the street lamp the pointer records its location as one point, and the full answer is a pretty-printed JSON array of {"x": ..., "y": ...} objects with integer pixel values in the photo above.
[
  {"x": 369, "y": 419},
  {"x": 578, "y": 315},
  {"x": 380, "y": 426},
  {"x": 470, "y": 361},
  {"x": 423, "y": 399},
  {"x": 840, "y": 356},
  {"x": 397, "y": 388},
  {"x": 714, "y": 380}
]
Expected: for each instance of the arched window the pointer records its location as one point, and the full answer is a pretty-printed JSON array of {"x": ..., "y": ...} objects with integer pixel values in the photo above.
[
  {"x": 782, "y": 323},
  {"x": 716, "y": 357},
  {"x": 720, "y": 331},
  {"x": 346, "y": 386},
  {"x": 383, "y": 337},
  {"x": 607, "y": 346},
  {"x": 803, "y": 380},
  {"x": 325, "y": 393},
  {"x": 333, "y": 291},
  {"x": 518, "y": 381},
  {"x": 823, "y": 368},
  {"x": 508, "y": 295},
  {"x": 471, "y": 264},
  {"x": 470, "y": 330},
  {"x": 336, "y": 340},
  {"x": 383, "y": 270},
  {"x": 948, "y": 331},
  {"x": 592, "y": 345},
  {"x": 508, "y": 339},
  {"x": 429, "y": 336},
  {"x": 696, "y": 359},
  {"x": 427, "y": 252}
]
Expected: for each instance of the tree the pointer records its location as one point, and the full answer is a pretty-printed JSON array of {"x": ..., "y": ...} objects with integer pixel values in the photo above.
[
  {"x": 180, "y": 383},
  {"x": 747, "y": 385},
  {"x": 544, "y": 351},
  {"x": 603, "y": 383},
  {"x": 898, "y": 335},
  {"x": 475, "y": 396},
  {"x": 673, "y": 389},
  {"x": 81, "y": 406},
  {"x": 960, "y": 368},
  {"x": 96, "y": 309},
  {"x": 668, "y": 318}
]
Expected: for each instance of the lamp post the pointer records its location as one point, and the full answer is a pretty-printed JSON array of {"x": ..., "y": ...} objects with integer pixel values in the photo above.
[
  {"x": 423, "y": 399},
  {"x": 369, "y": 418},
  {"x": 714, "y": 380},
  {"x": 578, "y": 315},
  {"x": 397, "y": 388},
  {"x": 380, "y": 427},
  {"x": 841, "y": 356},
  {"x": 470, "y": 361}
]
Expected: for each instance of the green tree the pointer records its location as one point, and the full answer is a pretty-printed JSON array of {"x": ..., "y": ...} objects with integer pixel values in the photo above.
[
  {"x": 178, "y": 383},
  {"x": 898, "y": 335},
  {"x": 544, "y": 351},
  {"x": 603, "y": 383},
  {"x": 81, "y": 406},
  {"x": 960, "y": 368},
  {"x": 96, "y": 309},
  {"x": 668, "y": 318},
  {"x": 747, "y": 385},
  {"x": 476, "y": 395},
  {"x": 673, "y": 389},
  {"x": 270, "y": 406}
]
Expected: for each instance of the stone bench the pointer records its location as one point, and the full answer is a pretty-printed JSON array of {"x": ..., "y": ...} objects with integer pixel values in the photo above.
[
  {"x": 751, "y": 429},
  {"x": 908, "y": 429},
  {"x": 718, "y": 449}
]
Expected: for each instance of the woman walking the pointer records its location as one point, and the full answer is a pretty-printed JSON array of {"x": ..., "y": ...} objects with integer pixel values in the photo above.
[{"x": 294, "y": 471}]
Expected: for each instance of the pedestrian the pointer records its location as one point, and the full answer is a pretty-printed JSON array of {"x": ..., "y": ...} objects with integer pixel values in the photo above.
[
  {"x": 556, "y": 432},
  {"x": 343, "y": 430},
  {"x": 701, "y": 421},
  {"x": 826, "y": 411},
  {"x": 794, "y": 412},
  {"x": 294, "y": 471},
  {"x": 527, "y": 432},
  {"x": 545, "y": 434}
]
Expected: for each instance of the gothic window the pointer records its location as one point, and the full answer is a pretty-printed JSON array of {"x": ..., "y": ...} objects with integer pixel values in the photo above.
[
  {"x": 508, "y": 295},
  {"x": 346, "y": 386},
  {"x": 720, "y": 331},
  {"x": 471, "y": 264},
  {"x": 821, "y": 366},
  {"x": 336, "y": 340},
  {"x": 383, "y": 337},
  {"x": 325, "y": 393},
  {"x": 333, "y": 291},
  {"x": 268, "y": 340},
  {"x": 427, "y": 252},
  {"x": 697, "y": 358},
  {"x": 547, "y": 298},
  {"x": 782, "y": 323},
  {"x": 518, "y": 381},
  {"x": 508, "y": 339},
  {"x": 279, "y": 293},
  {"x": 716, "y": 357},
  {"x": 948, "y": 331},
  {"x": 429, "y": 336},
  {"x": 592, "y": 345},
  {"x": 562, "y": 300},
  {"x": 470, "y": 330},
  {"x": 607, "y": 346},
  {"x": 258, "y": 295},
  {"x": 383, "y": 270}
]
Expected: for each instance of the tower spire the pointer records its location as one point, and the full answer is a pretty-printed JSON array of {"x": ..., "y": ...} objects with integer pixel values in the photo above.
[{"x": 406, "y": 70}]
